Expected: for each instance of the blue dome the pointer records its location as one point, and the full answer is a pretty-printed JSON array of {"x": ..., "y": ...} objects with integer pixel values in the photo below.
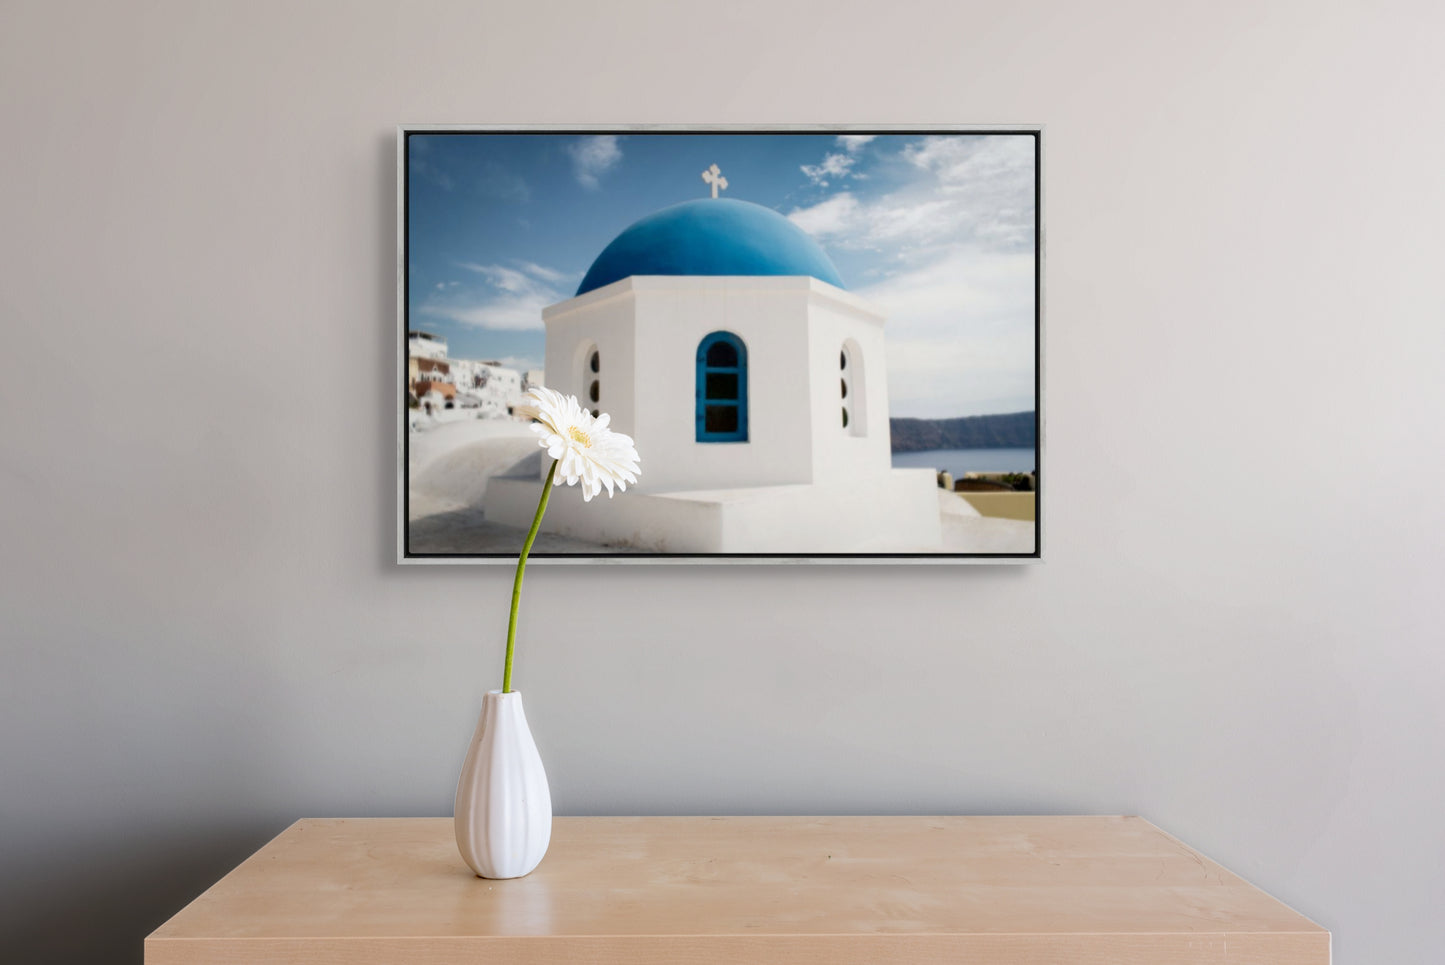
[{"x": 711, "y": 237}]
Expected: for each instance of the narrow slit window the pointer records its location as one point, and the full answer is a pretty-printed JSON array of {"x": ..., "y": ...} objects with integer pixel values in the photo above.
[
  {"x": 589, "y": 378},
  {"x": 851, "y": 390}
]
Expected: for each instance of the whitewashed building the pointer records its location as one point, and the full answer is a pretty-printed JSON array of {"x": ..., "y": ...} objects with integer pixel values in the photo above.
[
  {"x": 425, "y": 345},
  {"x": 719, "y": 336},
  {"x": 470, "y": 388},
  {"x": 490, "y": 387}
]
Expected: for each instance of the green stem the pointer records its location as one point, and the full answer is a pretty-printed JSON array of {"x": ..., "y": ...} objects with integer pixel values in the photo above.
[{"x": 517, "y": 583}]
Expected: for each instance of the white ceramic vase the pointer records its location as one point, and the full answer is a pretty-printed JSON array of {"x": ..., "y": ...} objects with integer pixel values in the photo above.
[{"x": 503, "y": 811}]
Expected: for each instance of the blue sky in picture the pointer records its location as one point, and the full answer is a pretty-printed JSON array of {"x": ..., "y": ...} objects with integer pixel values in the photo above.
[{"x": 937, "y": 230}]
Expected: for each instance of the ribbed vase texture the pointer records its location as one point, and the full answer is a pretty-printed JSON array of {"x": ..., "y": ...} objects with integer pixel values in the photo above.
[{"x": 503, "y": 810}]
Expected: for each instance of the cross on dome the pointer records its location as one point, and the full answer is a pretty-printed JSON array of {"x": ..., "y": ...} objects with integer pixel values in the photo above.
[{"x": 713, "y": 176}]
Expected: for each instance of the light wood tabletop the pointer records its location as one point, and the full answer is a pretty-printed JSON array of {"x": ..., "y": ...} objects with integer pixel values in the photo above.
[{"x": 744, "y": 891}]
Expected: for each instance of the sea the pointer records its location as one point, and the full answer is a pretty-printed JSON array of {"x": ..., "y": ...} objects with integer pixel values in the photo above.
[{"x": 959, "y": 461}]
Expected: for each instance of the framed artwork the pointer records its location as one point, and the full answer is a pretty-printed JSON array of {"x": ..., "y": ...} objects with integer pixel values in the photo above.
[{"x": 825, "y": 342}]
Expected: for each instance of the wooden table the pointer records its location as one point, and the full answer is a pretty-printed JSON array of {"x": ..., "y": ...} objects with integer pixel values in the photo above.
[{"x": 742, "y": 891}]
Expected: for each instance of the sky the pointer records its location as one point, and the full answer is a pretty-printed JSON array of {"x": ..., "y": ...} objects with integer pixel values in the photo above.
[{"x": 936, "y": 230}]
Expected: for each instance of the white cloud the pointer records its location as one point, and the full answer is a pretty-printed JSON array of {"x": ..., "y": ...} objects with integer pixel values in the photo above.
[
  {"x": 991, "y": 165},
  {"x": 505, "y": 279},
  {"x": 830, "y": 218},
  {"x": 916, "y": 223},
  {"x": 976, "y": 190},
  {"x": 983, "y": 290},
  {"x": 593, "y": 157},
  {"x": 960, "y": 376},
  {"x": 509, "y": 299},
  {"x": 833, "y": 166},
  {"x": 846, "y": 222},
  {"x": 853, "y": 143},
  {"x": 960, "y": 334},
  {"x": 837, "y": 166},
  {"x": 948, "y": 255},
  {"x": 538, "y": 271}
]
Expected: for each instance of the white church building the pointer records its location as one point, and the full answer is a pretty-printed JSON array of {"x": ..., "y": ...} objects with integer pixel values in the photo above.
[{"x": 720, "y": 337}]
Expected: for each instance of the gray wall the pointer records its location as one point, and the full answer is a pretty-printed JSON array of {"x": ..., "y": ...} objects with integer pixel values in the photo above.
[{"x": 1236, "y": 633}]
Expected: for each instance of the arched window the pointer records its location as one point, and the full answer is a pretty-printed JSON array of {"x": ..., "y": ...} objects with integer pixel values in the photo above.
[{"x": 722, "y": 389}]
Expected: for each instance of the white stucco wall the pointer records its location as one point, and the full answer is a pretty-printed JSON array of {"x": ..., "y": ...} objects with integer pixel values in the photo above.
[
  {"x": 671, "y": 316},
  {"x": 835, "y": 318},
  {"x": 1237, "y": 633},
  {"x": 892, "y": 512},
  {"x": 604, "y": 320}
]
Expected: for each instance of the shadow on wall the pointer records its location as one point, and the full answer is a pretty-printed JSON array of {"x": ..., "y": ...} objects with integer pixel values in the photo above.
[
  {"x": 388, "y": 400},
  {"x": 87, "y": 905},
  {"x": 87, "y": 881}
]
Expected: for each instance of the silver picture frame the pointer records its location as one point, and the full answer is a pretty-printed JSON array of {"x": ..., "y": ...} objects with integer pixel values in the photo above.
[{"x": 500, "y": 552}]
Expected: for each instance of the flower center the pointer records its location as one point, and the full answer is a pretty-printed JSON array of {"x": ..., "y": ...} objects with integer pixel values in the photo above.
[{"x": 579, "y": 436}]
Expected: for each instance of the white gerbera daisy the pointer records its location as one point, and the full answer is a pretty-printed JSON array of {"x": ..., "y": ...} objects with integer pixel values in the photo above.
[{"x": 585, "y": 448}]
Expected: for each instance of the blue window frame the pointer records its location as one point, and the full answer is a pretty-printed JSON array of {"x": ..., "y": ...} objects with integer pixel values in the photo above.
[{"x": 722, "y": 389}]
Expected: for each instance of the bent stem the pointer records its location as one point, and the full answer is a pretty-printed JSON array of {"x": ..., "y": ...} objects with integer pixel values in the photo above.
[{"x": 517, "y": 583}]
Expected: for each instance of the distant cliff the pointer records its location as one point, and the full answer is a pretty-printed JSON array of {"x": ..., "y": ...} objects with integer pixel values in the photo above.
[{"x": 1012, "y": 431}]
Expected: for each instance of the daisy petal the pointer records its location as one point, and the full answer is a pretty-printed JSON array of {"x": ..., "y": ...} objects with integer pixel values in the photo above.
[{"x": 586, "y": 449}]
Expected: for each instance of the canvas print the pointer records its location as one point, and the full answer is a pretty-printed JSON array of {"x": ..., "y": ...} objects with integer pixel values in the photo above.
[{"x": 825, "y": 344}]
